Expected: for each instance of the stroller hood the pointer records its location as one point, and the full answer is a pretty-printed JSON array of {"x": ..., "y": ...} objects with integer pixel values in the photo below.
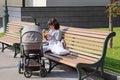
[
  {"x": 32, "y": 28},
  {"x": 31, "y": 34}
]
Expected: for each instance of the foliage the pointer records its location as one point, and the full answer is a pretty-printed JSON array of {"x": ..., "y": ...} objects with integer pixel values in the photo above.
[{"x": 114, "y": 9}]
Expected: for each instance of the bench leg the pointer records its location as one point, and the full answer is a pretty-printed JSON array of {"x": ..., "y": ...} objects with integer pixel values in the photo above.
[
  {"x": 15, "y": 52},
  {"x": 52, "y": 65},
  {"x": 102, "y": 72},
  {"x": 82, "y": 74},
  {"x": 3, "y": 47},
  {"x": 16, "y": 46},
  {"x": 79, "y": 72}
]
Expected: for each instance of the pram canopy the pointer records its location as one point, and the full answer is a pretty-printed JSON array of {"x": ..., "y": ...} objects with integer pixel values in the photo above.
[{"x": 31, "y": 37}]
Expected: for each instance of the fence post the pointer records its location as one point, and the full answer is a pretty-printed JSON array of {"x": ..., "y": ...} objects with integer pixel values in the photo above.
[
  {"x": 5, "y": 16},
  {"x": 23, "y": 3}
]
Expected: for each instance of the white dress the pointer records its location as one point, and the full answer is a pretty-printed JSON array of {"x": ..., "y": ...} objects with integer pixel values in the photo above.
[{"x": 56, "y": 36}]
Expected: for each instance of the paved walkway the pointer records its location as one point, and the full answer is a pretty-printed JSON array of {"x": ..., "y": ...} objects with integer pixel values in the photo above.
[{"x": 9, "y": 70}]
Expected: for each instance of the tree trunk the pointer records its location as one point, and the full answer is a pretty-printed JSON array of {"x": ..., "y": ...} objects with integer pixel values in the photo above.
[{"x": 110, "y": 27}]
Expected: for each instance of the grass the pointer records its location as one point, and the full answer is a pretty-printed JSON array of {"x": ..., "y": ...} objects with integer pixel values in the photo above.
[
  {"x": 112, "y": 60},
  {"x": 1, "y": 34}
]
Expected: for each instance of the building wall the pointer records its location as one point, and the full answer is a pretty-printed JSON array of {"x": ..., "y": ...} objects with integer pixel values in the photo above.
[
  {"x": 39, "y": 3},
  {"x": 77, "y": 2},
  {"x": 79, "y": 16},
  {"x": 10, "y": 3},
  {"x": 1, "y": 7},
  {"x": 14, "y": 13},
  {"x": 68, "y": 2},
  {"x": 30, "y": 3}
]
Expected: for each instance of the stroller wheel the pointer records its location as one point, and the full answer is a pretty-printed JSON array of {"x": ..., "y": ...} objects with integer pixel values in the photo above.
[
  {"x": 20, "y": 67},
  {"x": 28, "y": 74},
  {"x": 43, "y": 72}
]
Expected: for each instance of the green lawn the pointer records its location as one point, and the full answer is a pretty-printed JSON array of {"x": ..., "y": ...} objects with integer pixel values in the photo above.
[
  {"x": 1, "y": 34},
  {"x": 112, "y": 60},
  {"x": 113, "y": 55}
]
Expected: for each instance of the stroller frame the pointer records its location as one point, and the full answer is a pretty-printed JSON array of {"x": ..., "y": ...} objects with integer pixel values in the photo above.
[{"x": 31, "y": 60}]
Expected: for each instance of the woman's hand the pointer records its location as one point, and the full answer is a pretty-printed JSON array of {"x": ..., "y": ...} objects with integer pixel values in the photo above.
[{"x": 44, "y": 31}]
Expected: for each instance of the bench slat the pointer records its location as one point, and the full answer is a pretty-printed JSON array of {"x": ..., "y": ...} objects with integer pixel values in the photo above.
[
  {"x": 20, "y": 22},
  {"x": 85, "y": 49},
  {"x": 83, "y": 37},
  {"x": 84, "y": 53},
  {"x": 87, "y": 34},
  {"x": 71, "y": 61},
  {"x": 64, "y": 28},
  {"x": 70, "y": 43},
  {"x": 13, "y": 29},
  {"x": 85, "y": 57},
  {"x": 12, "y": 35},
  {"x": 9, "y": 40},
  {"x": 94, "y": 43}
]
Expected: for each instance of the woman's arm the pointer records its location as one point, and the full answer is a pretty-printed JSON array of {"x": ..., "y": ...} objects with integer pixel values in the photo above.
[
  {"x": 46, "y": 35},
  {"x": 58, "y": 35}
]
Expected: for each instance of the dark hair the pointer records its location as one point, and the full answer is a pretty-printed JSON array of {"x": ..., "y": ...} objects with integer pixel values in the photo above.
[{"x": 54, "y": 22}]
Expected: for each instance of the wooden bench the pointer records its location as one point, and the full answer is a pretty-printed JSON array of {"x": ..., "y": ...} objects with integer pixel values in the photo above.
[
  {"x": 87, "y": 50},
  {"x": 12, "y": 36}
]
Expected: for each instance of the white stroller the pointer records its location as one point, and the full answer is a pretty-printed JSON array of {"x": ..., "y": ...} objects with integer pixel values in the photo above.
[{"x": 31, "y": 51}]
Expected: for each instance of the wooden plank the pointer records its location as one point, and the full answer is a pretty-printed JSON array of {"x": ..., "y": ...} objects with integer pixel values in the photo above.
[
  {"x": 84, "y": 49},
  {"x": 13, "y": 35},
  {"x": 83, "y": 37},
  {"x": 92, "y": 31},
  {"x": 80, "y": 33},
  {"x": 84, "y": 53},
  {"x": 8, "y": 36},
  {"x": 69, "y": 43},
  {"x": 9, "y": 40},
  {"x": 68, "y": 60},
  {"x": 84, "y": 41},
  {"x": 84, "y": 57},
  {"x": 20, "y": 22}
]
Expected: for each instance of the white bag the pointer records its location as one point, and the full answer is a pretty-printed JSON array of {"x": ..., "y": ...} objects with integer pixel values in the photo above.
[{"x": 58, "y": 49}]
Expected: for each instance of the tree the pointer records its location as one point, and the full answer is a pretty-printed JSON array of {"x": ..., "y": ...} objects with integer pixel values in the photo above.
[{"x": 113, "y": 10}]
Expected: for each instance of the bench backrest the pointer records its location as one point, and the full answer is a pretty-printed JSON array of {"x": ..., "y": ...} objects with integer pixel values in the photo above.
[
  {"x": 87, "y": 43},
  {"x": 13, "y": 28}
]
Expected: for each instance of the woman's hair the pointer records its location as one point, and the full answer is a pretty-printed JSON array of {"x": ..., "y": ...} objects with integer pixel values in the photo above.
[{"x": 54, "y": 22}]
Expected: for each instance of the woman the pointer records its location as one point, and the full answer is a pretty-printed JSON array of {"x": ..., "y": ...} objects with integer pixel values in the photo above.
[{"x": 53, "y": 36}]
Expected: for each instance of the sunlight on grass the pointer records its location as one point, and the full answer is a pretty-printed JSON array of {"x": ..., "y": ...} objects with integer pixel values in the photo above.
[
  {"x": 112, "y": 60},
  {"x": 1, "y": 34}
]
